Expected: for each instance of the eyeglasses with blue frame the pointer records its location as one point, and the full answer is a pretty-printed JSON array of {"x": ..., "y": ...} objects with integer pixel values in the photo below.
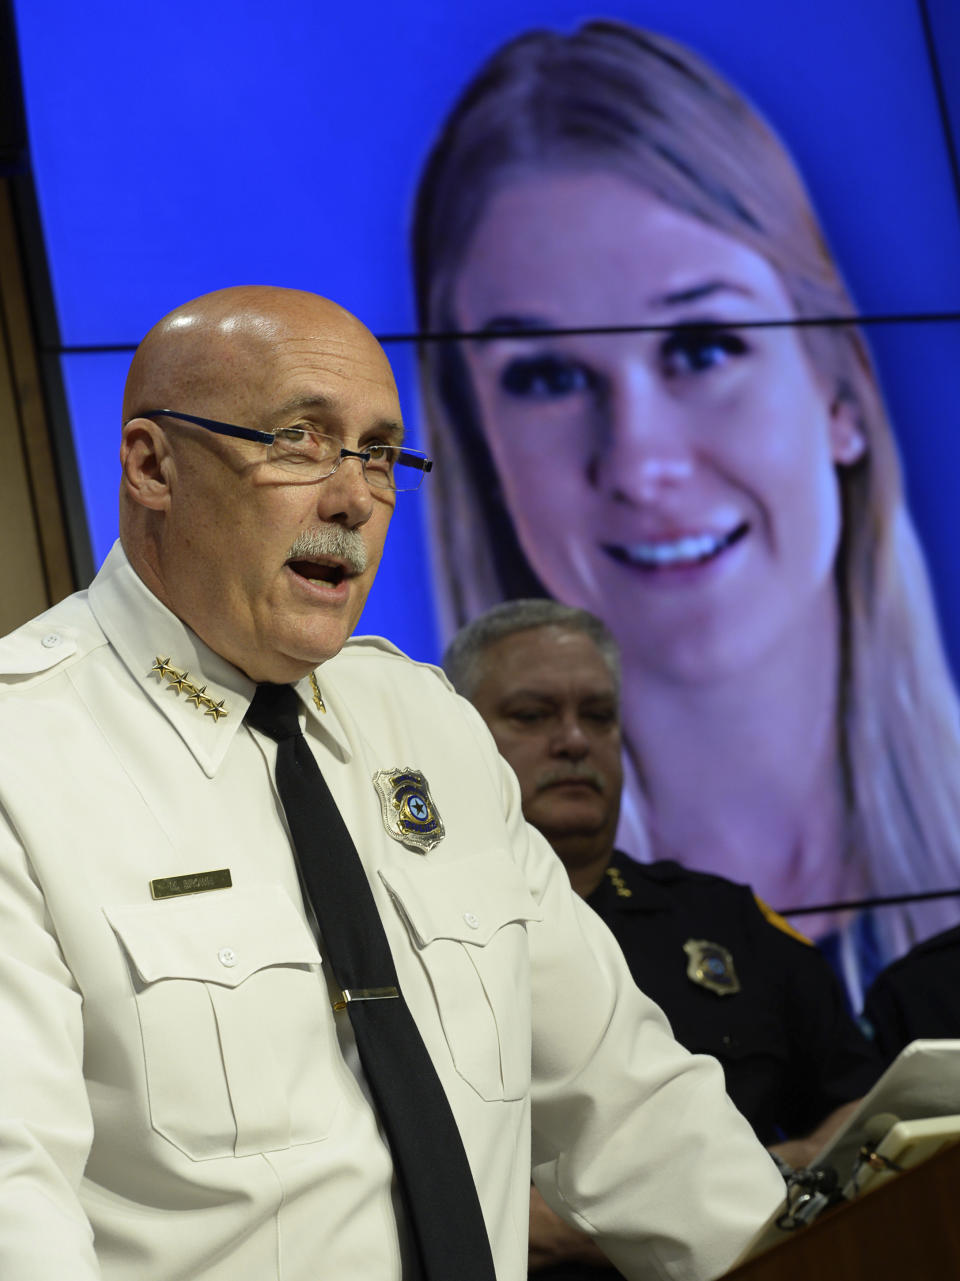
[{"x": 311, "y": 456}]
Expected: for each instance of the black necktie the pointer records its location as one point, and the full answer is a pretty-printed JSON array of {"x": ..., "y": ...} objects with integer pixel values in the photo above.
[{"x": 439, "y": 1193}]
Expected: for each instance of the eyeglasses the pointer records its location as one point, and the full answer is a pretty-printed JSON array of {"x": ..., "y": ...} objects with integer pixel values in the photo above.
[{"x": 310, "y": 456}]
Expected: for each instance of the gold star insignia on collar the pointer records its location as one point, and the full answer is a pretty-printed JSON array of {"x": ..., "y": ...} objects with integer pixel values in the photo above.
[
  {"x": 181, "y": 683},
  {"x": 619, "y": 884},
  {"x": 317, "y": 696}
]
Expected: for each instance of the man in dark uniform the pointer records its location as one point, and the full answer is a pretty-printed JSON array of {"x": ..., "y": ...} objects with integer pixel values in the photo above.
[
  {"x": 735, "y": 980},
  {"x": 916, "y": 996}
]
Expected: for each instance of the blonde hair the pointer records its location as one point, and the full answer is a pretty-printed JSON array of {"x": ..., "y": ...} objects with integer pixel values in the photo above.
[{"x": 609, "y": 96}]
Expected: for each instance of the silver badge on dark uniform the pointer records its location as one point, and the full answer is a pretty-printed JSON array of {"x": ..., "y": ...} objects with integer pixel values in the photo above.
[
  {"x": 711, "y": 966},
  {"x": 409, "y": 814}
]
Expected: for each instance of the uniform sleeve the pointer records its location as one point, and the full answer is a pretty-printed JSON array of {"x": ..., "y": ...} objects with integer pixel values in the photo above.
[
  {"x": 634, "y": 1139},
  {"x": 831, "y": 1061},
  {"x": 886, "y": 1016},
  {"x": 45, "y": 1123}
]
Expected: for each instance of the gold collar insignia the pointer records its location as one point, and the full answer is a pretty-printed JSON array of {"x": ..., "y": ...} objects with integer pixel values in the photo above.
[
  {"x": 619, "y": 884},
  {"x": 182, "y": 684}
]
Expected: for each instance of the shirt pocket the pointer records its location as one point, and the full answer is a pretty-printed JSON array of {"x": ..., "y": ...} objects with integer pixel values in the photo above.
[
  {"x": 235, "y": 1028},
  {"x": 468, "y": 922}
]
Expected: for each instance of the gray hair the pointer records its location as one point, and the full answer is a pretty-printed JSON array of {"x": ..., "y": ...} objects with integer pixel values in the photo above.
[{"x": 464, "y": 660}]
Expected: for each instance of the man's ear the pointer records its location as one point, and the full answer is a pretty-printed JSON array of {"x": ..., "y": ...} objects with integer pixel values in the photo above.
[
  {"x": 848, "y": 444},
  {"x": 147, "y": 463}
]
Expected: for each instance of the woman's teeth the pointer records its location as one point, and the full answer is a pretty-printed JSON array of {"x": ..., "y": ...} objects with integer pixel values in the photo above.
[{"x": 689, "y": 550}]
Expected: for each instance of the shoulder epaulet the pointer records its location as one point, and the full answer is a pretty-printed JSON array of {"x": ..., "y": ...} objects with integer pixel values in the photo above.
[
  {"x": 47, "y": 641},
  {"x": 379, "y": 644},
  {"x": 356, "y": 646},
  {"x": 34, "y": 649},
  {"x": 668, "y": 871},
  {"x": 780, "y": 923}
]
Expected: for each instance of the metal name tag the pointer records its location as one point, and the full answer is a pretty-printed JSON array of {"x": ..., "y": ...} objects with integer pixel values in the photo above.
[{"x": 196, "y": 883}]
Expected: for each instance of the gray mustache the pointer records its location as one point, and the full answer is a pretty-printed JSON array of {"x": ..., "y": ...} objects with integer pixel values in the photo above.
[
  {"x": 571, "y": 773},
  {"x": 331, "y": 540}
]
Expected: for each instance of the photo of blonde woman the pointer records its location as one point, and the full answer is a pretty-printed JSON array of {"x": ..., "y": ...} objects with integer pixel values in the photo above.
[{"x": 663, "y": 414}]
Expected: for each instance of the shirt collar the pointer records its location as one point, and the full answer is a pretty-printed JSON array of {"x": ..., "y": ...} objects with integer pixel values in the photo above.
[
  {"x": 204, "y": 697},
  {"x": 643, "y": 880}
]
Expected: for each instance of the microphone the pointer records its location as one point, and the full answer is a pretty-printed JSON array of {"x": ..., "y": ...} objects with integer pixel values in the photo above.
[
  {"x": 875, "y": 1130},
  {"x": 808, "y": 1192}
]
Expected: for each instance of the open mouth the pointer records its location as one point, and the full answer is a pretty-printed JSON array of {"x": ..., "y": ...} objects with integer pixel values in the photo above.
[
  {"x": 319, "y": 571},
  {"x": 676, "y": 553}
]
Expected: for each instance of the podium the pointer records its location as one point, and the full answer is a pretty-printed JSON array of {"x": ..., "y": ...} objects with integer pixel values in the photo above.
[{"x": 906, "y": 1230}]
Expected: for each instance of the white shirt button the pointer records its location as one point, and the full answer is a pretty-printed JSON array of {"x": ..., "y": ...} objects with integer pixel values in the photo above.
[
  {"x": 51, "y": 640},
  {"x": 227, "y": 956},
  {"x": 471, "y": 920}
]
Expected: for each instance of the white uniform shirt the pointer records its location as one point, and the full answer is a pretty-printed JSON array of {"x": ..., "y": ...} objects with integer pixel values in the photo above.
[{"x": 171, "y": 1072}]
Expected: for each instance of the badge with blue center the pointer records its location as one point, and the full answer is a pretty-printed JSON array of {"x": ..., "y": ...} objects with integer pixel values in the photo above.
[
  {"x": 711, "y": 966},
  {"x": 409, "y": 814}
]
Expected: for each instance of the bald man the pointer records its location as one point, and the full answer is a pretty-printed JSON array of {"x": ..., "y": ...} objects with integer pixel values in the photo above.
[{"x": 186, "y": 1089}]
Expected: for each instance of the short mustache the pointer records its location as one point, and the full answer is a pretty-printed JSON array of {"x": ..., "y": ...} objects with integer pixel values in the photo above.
[
  {"x": 571, "y": 773},
  {"x": 331, "y": 540}
]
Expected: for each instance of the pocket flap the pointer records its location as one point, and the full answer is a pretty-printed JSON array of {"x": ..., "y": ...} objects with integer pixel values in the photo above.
[
  {"x": 467, "y": 899},
  {"x": 220, "y": 937}
]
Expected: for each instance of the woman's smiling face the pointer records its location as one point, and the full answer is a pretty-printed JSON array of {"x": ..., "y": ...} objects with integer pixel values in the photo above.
[{"x": 679, "y": 483}]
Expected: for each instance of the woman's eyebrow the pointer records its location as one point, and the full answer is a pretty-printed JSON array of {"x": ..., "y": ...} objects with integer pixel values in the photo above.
[
  {"x": 695, "y": 293},
  {"x": 506, "y": 326}
]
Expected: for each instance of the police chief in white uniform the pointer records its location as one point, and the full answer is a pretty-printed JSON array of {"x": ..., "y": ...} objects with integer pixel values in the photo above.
[{"x": 178, "y": 1096}]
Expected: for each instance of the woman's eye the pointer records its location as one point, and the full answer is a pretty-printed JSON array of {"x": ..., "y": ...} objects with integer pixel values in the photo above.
[
  {"x": 545, "y": 377},
  {"x": 691, "y": 351}
]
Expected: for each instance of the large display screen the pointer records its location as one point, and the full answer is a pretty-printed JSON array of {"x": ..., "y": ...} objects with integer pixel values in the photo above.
[{"x": 687, "y": 384}]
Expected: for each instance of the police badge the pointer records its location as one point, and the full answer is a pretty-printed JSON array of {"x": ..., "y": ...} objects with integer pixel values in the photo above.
[
  {"x": 409, "y": 814},
  {"x": 711, "y": 966}
]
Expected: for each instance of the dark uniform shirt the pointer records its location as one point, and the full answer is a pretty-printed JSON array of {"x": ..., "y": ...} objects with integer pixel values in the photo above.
[
  {"x": 918, "y": 995},
  {"x": 789, "y": 1049}
]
